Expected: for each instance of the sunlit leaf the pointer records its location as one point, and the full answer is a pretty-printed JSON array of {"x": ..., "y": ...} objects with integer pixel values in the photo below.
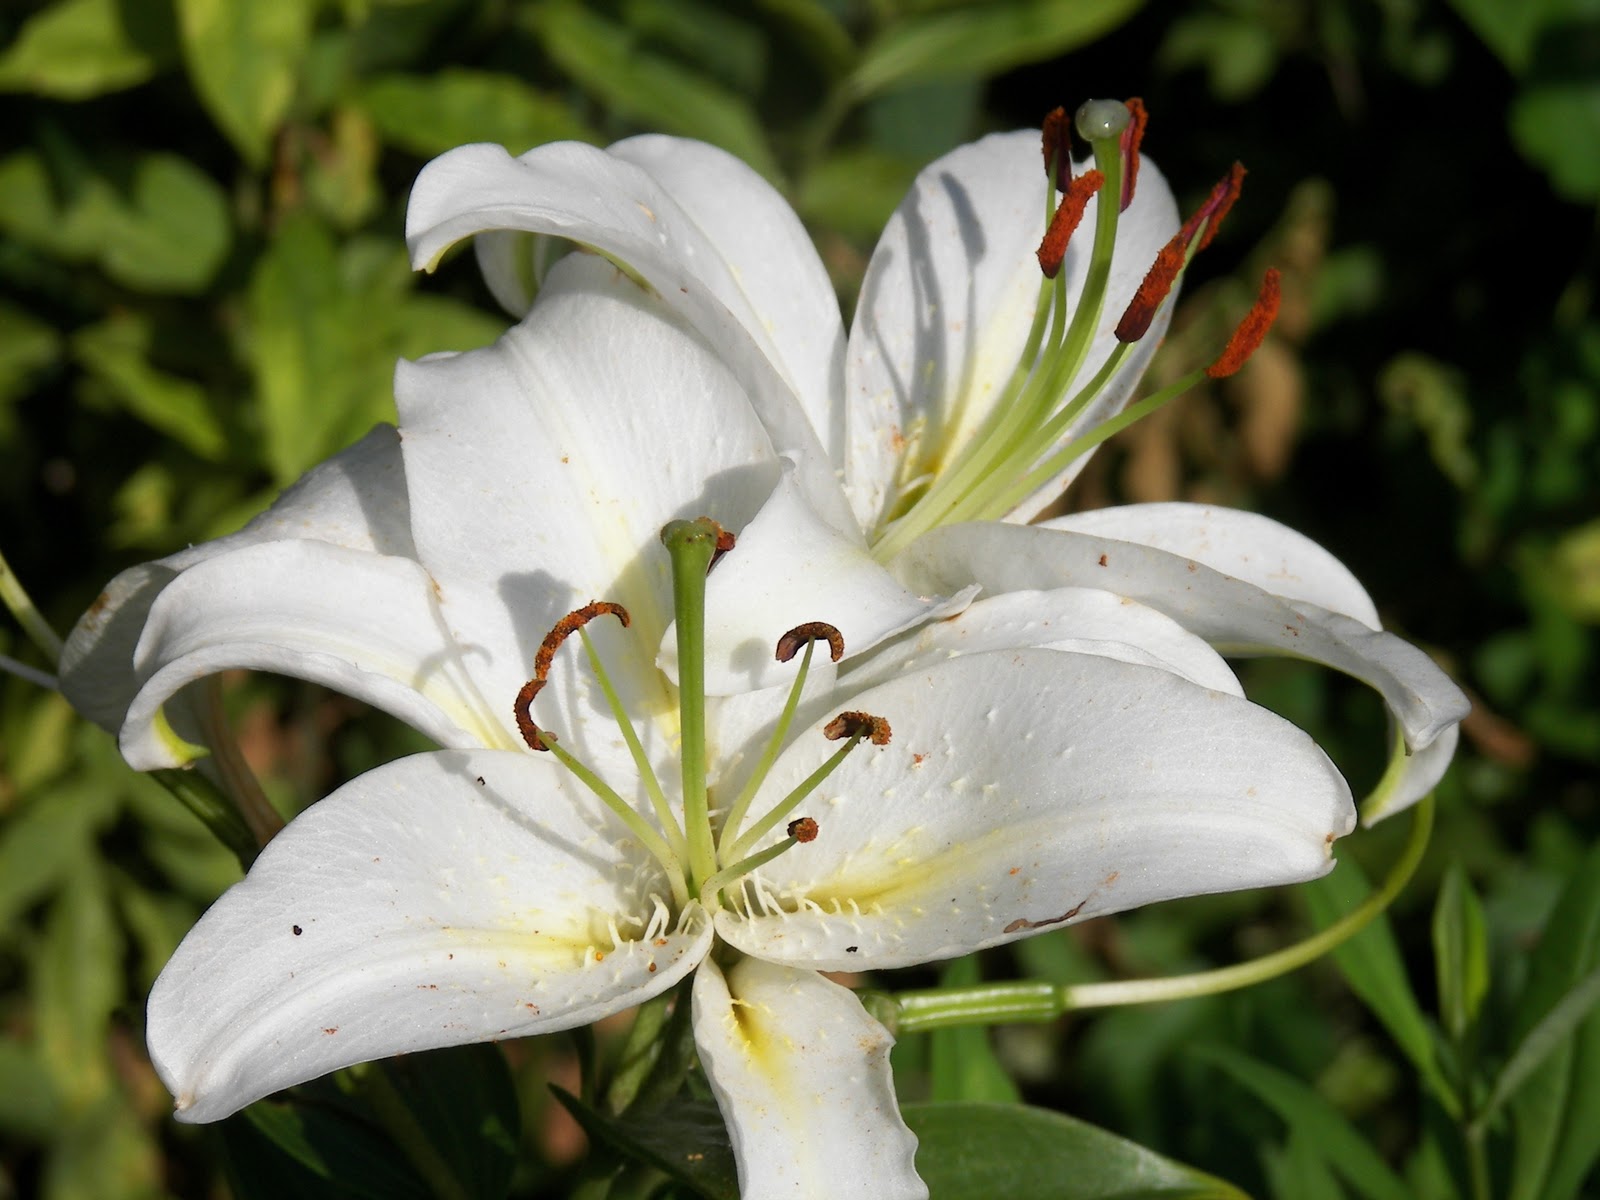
[
  {"x": 428, "y": 114},
  {"x": 116, "y": 352},
  {"x": 76, "y": 49},
  {"x": 243, "y": 56},
  {"x": 1460, "y": 952}
]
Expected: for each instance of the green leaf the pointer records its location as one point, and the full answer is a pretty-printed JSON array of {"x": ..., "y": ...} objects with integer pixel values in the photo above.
[
  {"x": 103, "y": 1151},
  {"x": 854, "y": 191},
  {"x": 979, "y": 1151},
  {"x": 396, "y": 1129},
  {"x": 1372, "y": 965},
  {"x": 243, "y": 58},
  {"x": 1313, "y": 1123},
  {"x": 116, "y": 352},
  {"x": 1507, "y": 29},
  {"x": 686, "y": 1138},
  {"x": 1460, "y": 952},
  {"x": 30, "y": 1105},
  {"x": 39, "y": 848},
  {"x": 1556, "y": 1111},
  {"x": 161, "y": 227},
  {"x": 605, "y": 60},
  {"x": 982, "y": 38},
  {"x": 77, "y": 982},
  {"x": 429, "y": 114},
  {"x": 77, "y": 49},
  {"x": 1556, "y": 125},
  {"x": 961, "y": 1061}
]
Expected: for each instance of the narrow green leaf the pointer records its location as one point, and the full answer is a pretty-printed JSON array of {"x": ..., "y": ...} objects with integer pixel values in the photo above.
[
  {"x": 27, "y": 346},
  {"x": 464, "y": 1102},
  {"x": 116, "y": 352},
  {"x": 278, "y": 1148},
  {"x": 979, "y": 1151},
  {"x": 77, "y": 982},
  {"x": 686, "y": 1138},
  {"x": 104, "y": 1150},
  {"x": 982, "y": 38},
  {"x": 243, "y": 57},
  {"x": 814, "y": 29},
  {"x": 1372, "y": 965},
  {"x": 1556, "y": 1110},
  {"x": 1460, "y": 952},
  {"x": 1314, "y": 1122},
  {"x": 39, "y": 848},
  {"x": 604, "y": 59},
  {"x": 961, "y": 1060},
  {"x": 76, "y": 49},
  {"x": 1300, "y": 1170},
  {"x": 30, "y": 1105},
  {"x": 429, "y": 114},
  {"x": 1555, "y": 1027}
]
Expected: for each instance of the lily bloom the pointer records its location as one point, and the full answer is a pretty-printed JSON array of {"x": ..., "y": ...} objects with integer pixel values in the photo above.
[{"x": 1042, "y": 758}]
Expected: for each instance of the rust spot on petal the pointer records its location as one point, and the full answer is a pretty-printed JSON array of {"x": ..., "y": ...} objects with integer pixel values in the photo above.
[{"x": 1024, "y": 923}]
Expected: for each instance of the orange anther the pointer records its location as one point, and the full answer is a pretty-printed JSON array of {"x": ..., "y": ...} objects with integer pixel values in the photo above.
[
  {"x": 1216, "y": 207},
  {"x": 853, "y": 724},
  {"x": 1057, "y": 148},
  {"x": 795, "y": 640},
  {"x": 569, "y": 625},
  {"x": 1247, "y": 339},
  {"x": 802, "y": 829},
  {"x": 1131, "y": 137},
  {"x": 525, "y": 726},
  {"x": 1068, "y": 215},
  {"x": 1158, "y": 281}
]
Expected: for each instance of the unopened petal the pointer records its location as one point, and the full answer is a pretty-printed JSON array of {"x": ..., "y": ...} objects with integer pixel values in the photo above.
[
  {"x": 1026, "y": 789},
  {"x": 442, "y": 899},
  {"x": 801, "y": 1073}
]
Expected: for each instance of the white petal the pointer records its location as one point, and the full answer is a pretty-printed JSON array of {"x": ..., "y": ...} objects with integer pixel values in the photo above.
[
  {"x": 801, "y": 1073},
  {"x": 1231, "y": 614},
  {"x": 1025, "y": 789},
  {"x": 790, "y": 567},
  {"x": 770, "y": 259},
  {"x": 543, "y": 468},
  {"x": 597, "y": 199},
  {"x": 947, "y": 302},
  {"x": 1077, "y": 620},
  {"x": 442, "y": 899},
  {"x": 1246, "y": 545},
  {"x": 364, "y": 624},
  {"x": 356, "y": 499}
]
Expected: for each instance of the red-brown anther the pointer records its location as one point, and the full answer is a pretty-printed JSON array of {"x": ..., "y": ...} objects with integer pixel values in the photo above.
[
  {"x": 725, "y": 541},
  {"x": 1157, "y": 283},
  {"x": 569, "y": 625},
  {"x": 1247, "y": 339},
  {"x": 1131, "y": 137},
  {"x": 1068, "y": 215},
  {"x": 1216, "y": 206},
  {"x": 795, "y": 640},
  {"x": 1058, "y": 147},
  {"x": 802, "y": 829},
  {"x": 525, "y": 726},
  {"x": 850, "y": 724}
]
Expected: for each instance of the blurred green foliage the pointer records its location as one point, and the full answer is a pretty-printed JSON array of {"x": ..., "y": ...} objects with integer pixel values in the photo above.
[{"x": 203, "y": 290}]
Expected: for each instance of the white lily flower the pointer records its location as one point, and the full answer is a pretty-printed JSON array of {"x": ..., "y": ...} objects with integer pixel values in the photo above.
[
  {"x": 969, "y": 389},
  {"x": 1039, "y": 759}
]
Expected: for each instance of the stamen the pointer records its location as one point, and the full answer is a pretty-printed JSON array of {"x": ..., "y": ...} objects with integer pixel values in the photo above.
[
  {"x": 569, "y": 625},
  {"x": 857, "y": 725},
  {"x": 853, "y": 725},
  {"x": 1158, "y": 281},
  {"x": 1216, "y": 206},
  {"x": 1247, "y": 338},
  {"x": 808, "y": 634},
  {"x": 530, "y": 732},
  {"x": 1069, "y": 213},
  {"x": 802, "y": 829},
  {"x": 1057, "y": 148},
  {"x": 1132, "y": 136},
  {"x": 803, "y": 635},
  {"x": 725, "y": 542}
]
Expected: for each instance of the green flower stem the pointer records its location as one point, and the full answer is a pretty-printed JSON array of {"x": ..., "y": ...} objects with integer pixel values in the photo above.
[
  {"x": 991, "y": 1003},
  {"x": 16, "y": 598},
  {"x": 691, "y": 546},
  {"x": 243, "y": 788},
  {"x": 407, "y": 1133},
  {"x": 215, "y": 811},
  {"x": 638, "y": 1053}
]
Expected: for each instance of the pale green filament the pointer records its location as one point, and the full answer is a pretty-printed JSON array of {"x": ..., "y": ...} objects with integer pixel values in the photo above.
[
  {"x": 794, "y": 799},
  {"x": 735, "y": 817},
  {"x": 743, "y": 867},
  {"x": 648, "y": 838},
  {"x": 1026, "y": 419},
  {"x": 658, "y": 799},
  {"x": 691, "y": 545}
]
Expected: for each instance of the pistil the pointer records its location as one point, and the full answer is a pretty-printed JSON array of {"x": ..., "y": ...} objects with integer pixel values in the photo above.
[{"x": 691, "y": 546}]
